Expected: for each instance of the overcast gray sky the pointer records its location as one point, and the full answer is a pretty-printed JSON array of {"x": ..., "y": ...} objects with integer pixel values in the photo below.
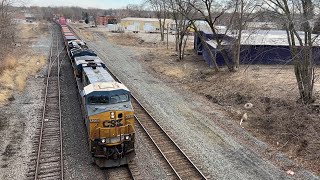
[{"x": 103, "y": 4}]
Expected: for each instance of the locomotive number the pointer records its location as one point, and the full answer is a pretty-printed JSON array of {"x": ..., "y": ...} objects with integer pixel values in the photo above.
[{"x": 112, "y": 123}]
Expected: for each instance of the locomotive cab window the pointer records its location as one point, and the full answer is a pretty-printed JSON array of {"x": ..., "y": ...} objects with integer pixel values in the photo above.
[
  {"x": 99, "y": 100},
  {"x": 119, "y": 98}
]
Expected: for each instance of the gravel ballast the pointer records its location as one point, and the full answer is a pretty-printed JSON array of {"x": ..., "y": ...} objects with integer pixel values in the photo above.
[{"x": 214, "y": 151}]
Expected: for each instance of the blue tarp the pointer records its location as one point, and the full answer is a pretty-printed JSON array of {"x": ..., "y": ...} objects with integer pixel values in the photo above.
[{"x": 250, "y": 54}]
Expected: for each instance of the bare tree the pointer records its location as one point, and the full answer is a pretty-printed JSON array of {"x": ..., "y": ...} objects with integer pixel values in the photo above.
[
  {"x": 211, "y": 11},
  {"x": 161, "y": 9},
  {"x": 7, "y": 32},
  {"x": 181, "y": 23},
  {"x": 244, "y": 11},
  {"x": 294, "y": 14}
]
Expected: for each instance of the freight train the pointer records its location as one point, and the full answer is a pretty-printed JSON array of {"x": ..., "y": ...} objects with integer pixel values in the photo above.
[{"x": 105, "y": 103}]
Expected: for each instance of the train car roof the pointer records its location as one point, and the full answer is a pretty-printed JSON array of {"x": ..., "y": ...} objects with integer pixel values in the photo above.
[
  {"x": 104, "y": 86},
  {"x": 82, "y": 52},
  {"x": 87, "y": 60},
  {"x": 77, "y": 42},
  {"x": 98, "y": 74},
  {"x": 70, "y": 38}
]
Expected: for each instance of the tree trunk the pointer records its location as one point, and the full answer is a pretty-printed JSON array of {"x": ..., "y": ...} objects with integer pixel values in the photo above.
[{"x": 212, "y": 57}]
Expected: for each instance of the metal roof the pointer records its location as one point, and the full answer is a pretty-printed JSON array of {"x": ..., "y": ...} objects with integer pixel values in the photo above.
[
  {"x": 264, "y": 37},
  {"x": 88, "y": 59},
  {"x": 98, "y": 74},
  {"x": 140, "y": 19},
  {"x": 70, "y": 38},
  {"x": 82, "y": 52},
  {"x": 104, "y": 86}
]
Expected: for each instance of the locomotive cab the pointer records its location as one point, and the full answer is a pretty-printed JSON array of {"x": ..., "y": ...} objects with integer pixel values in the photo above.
[{"x": 110, "y": 123}]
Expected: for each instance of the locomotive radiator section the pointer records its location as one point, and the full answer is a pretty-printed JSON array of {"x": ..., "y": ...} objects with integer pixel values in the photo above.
[{"x": 112, "y": 140}]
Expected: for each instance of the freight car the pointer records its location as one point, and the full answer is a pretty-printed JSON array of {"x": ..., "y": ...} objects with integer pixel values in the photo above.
[{"x": 105, "y": 104}]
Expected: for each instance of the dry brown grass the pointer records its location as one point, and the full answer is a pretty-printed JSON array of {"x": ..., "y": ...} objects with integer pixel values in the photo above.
[
  {"x": 86, "y": 34},
  {"x": 4, "y": 94},
  {"x": 16, "y": 68},
  {"x": 9, "y": 63},
  {"x": 27, "y": 31},
  {"x": 15, "y": 78}
]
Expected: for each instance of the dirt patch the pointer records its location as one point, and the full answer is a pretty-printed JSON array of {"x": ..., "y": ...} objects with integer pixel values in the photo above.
[
  {"x": 130, "y": 39},
  {"x": 276, "y": 117}
]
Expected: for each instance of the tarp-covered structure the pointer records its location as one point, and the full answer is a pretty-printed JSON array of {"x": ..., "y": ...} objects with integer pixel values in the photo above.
[{"x": 257, "y": 47}]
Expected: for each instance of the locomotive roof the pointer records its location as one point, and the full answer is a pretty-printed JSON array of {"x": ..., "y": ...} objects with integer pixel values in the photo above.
[
  {"x": 87, "y": 58},
  {"x": 77, "y": 42},
  {"x": 98, "y": 74},
  {"x": 82, "y": 52},
  {"x": 85, "y": 63},
  {"x": 104, "y": 86}
]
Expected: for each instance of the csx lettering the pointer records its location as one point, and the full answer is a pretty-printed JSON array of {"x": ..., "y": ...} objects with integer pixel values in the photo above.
[{"x": 112, "y": 123}]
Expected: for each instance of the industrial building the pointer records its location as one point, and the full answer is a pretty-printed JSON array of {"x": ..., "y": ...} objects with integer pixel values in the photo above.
[
  {"x": 142, "y": 24},
  {"x": 105, "y": 20}
]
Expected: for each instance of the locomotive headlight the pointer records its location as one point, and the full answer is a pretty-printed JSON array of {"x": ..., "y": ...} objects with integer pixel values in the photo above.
[
  {"x": 103, "y": 140},
  {"x": 112, "y": 115},
  {"x": 127, "y": 137}
]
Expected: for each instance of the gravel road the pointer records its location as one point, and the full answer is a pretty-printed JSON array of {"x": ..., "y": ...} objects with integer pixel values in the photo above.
[{"x": 217, "y": 153}]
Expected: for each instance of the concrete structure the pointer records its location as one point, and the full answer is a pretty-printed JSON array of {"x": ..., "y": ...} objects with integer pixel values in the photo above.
[
  {"x": 142, "y": 24},
  {"x": 105, "y": 20},
  {"x": 257, "y": 47}
]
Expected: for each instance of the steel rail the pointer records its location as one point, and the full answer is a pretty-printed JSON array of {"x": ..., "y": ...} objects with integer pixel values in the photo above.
[
  {"x": 44, "y": 110},
  {"x": 171, "y": 140},
  {"x": 51, "y": 62}
]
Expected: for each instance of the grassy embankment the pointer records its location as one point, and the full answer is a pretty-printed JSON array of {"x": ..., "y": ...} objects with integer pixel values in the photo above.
[{"x": 22, "y": 62}]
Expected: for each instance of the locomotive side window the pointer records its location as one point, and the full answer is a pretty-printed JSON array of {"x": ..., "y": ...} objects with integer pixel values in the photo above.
[
  {"x": 119, "y": 98},
  {"x": 99, "y": 100}
]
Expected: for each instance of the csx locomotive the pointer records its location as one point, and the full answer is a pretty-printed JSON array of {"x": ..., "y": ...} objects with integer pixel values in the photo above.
[{"x": 105, "y": 104}]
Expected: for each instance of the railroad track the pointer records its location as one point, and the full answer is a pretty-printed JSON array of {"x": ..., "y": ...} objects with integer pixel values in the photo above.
[
  {"x": 48, "y": 152},
  {"x": 122, "y": 172},
  {"x": 176, "y": 159},
  {"x": 182, "y": 166},
  {"x": 128, "y": 172}
]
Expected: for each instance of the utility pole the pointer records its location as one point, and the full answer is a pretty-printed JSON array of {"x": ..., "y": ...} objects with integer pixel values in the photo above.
[{"x": 168, "y": 36}]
